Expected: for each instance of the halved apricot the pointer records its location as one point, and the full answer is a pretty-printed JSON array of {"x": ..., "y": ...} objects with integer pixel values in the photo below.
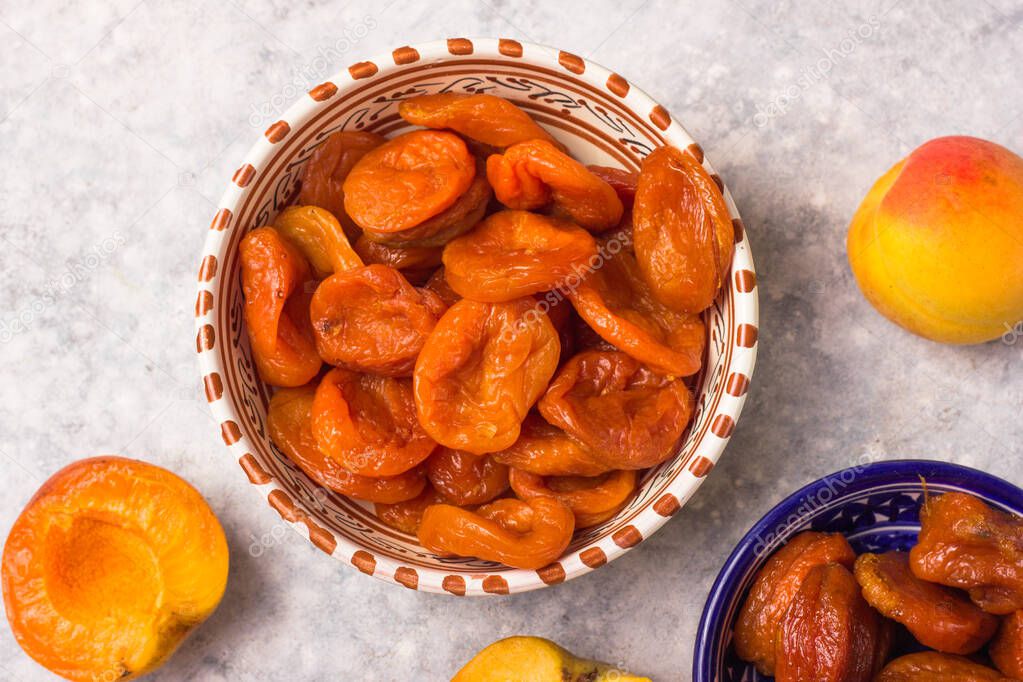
[{"x": 112, "y": 563}]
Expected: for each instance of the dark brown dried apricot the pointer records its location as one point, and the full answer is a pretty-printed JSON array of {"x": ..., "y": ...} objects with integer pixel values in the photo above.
[
  {"x": 682, "y": 233},
  {"x": 939, "y": 617},
  {"x": 466, "y": 479},
  {"x": 623, "y": 182},
  {"x": 480, "y": 372},
  {"x": 546, "y": 450},
  {"x": 628, "y": 416},
  {"x": 410, "y": 260},
  {"x": 438, "y": 284},
  {"x": 931, "y": 666},
  {"x": 516, "y": 253},
  {"x": 324, "y": 174},
  {"x": 485, "y": 118},
  {"x": 757, "y": 627},
  {"x": 372, "y": 320},
  {"x": 965, "y": 543}
]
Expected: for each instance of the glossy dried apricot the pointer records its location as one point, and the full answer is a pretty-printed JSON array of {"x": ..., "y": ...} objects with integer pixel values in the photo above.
[
  {"x": 546, "y": 450},
  {"x": 406, "y": 516},
  {"x": 368, "y": 423},
  {"x": 480, "y": 371},
  {"x": 628, "y": 416},
  {"x": 623, "y": 182},
  {"x": 516, "y": 253},
  {"x": 829, "y": 633},
  {"x": 467, "y": 211},
  {"x": 407, "y": 180},
  {"x": 1007, "y": 648},
  {"x": 320, "y": 238},
  {"x": 438, "y": 284},
  {"x": 528, "y": 535},
  {"x": 931, "y": 666},
  {"x": 682, "y": 233},
  {"x": 534, "y": 174},
  {"x": 289, "y": 424},
  {"x": 617, "y": 304},
  {"x": 372, "y": 320},
  {"x": 324, "y": 174},
  {"x": 466, "y": 479},
  {"x": 757, "y": 627},
  {"x": 593, "y": 499},
  {"x": 407, "y": 259},
  {"x": 939, "y": 617},
  {"x": 274, "y": 274},
  {"x": 965, "y": 543},
  {"x": 486, "y": 118}
]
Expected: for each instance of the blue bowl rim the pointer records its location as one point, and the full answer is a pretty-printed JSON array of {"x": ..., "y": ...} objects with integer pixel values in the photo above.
[{"x": 890, "y": 471}]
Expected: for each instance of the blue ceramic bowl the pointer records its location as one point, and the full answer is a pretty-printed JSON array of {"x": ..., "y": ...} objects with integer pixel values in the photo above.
[{"x": 876, "y": 506}]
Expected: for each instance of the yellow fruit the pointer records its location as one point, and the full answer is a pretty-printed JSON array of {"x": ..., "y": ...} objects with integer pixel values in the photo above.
[{"x": 533, "y": 659}]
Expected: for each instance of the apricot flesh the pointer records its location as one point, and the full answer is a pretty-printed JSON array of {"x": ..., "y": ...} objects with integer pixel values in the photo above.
[
  {"x": 937, "y": 242},
  {"x": 110, "y": 565},
  {"x": 534, "y": 659}
]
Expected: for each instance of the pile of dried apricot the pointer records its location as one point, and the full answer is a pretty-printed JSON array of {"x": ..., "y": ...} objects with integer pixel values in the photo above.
[
  {"x": 816, "y": 611},
  {"x": 464, "y": 332}
]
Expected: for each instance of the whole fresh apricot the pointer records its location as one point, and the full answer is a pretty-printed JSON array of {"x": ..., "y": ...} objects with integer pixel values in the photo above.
[{"x": 937, "y": 243}]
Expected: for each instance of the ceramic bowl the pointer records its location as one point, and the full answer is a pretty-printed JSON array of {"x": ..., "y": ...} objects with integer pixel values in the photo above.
[
  {"x": 876, "y": 506},
  {"x": 603, "y": 119}
]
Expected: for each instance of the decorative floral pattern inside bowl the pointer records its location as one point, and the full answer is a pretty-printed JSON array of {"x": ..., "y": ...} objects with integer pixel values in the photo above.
[
  {"x": 602, "y": 119},
  {"x": 876, "y": 506}
]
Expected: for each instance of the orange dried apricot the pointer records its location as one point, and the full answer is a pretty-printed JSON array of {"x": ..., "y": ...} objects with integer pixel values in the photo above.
[
  {"x": 372, "y": 320},
  {"x": 965, "y": 543},
  {"x": 527, "y": 535},
  {"x": 546, "y": 450},
  {"x": 274, "y": 274},
  {"x": 623, "y": 182},
  {"x": 486, "y": 118},
  {"x": 324, "y": 175},
  {"x": 320, "y": 238},
  {"x": 466, "y": 479},
  {"x": 530, "y": 175},
  {"x": 682, "y": 233},
  {"x": 438, "y": 284},
  {"x": 1007, "y": 648},
  {"x": 368, "y": 423},
  {"x": 407, "y": 180},
  {"x": 516, "y": 253},
  {"x": 593, "y": 499},
  {"x": 406, "y": 516},
  {"x": 758, "y": 625},
  {"x": 939, "y": 617},
  {"x": 931, "y": 666},
  {"x": 628, "y": 416},
  {"x": 617, "y": 304},
  {"x": 289, "y": 423},
  {"x": 480, "y": 372}
]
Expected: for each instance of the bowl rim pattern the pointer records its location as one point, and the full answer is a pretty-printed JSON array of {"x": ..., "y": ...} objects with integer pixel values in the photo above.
[
  {"x": 789, "y": 515},
  {"x": 730, "y": 387}
]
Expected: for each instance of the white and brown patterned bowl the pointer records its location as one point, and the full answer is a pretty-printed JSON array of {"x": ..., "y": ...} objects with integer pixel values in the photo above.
[{"x": 603, "y": 119}]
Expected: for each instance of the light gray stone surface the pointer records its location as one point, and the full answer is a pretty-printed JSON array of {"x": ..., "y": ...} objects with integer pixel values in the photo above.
[{"x": 121, "y": 123}]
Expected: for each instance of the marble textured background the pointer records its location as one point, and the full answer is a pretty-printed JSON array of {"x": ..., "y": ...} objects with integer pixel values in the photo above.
[{"x": 120, "y": 125}]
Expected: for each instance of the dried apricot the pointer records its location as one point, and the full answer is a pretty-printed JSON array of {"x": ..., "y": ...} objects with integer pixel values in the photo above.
[
  {"x": 372, "y": 320},
  {"x": 1007, "y": 648},
  {"x": 546, "y": 450},
  {"x": 965, "y": 543},
  {"x": 623, "y": 182},
  {"x": 939, "y": 617},
  {"x": 480, "y": 371},
  {"x": 757, "y": 627},
  {"x": 368, "y": 423},
  {"x": 531, "y": 175},
  {"x": 320, "y": 238},
  {"x": 467, "y": 211},
  {"x": 289, "y": 423},
  {"x": 486, "y": 118},
  {"x": 406, "y": 516},
  {"x": 438, "y": 284},
  {"x": 593, "y": 499},
  {"x": 930, "y": 666},
  {"x": 628, "y": 416},
  {"x": 410, "y": 260},
  {"x": 466, "y": 479},
  {"x": 536, "y": 534},
  {"x": 617, "y": 304},
  {"x": 516, "y": 253},
  {"x": 274, "y": 274},
  {"x": 407, "y": 180},
  {"x": 682, "y": 233},
  {"x": 829, "y": 633},
  {"x": 324, "y": 174}
]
